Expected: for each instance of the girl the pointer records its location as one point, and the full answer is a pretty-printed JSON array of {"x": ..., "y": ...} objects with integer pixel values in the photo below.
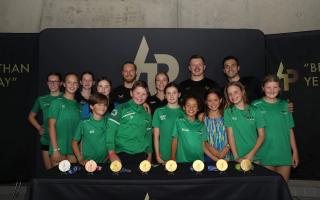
[
  {"x": 163, "y": 122},
  {"x": 245, "y": 124},
  {"x": 129, "y": 128},
  {"x": 189, "y": 135},
  {"x": 213, "y": 119},
  {"x": 280, "y": 141},
  {"x": 158, "y": 100},
  {"x": 92, "y": 132},
  {"x": 64, "y": 116},
  {"x": 42, "y": 104},
  {"x": 103, "y": 87},
  {"x": 82, "y": 95}
]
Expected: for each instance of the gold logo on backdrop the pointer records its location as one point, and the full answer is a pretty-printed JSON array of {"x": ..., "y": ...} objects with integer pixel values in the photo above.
[
  {"x": 288, "y": 76},
  {"x": 152, "y": 68}
]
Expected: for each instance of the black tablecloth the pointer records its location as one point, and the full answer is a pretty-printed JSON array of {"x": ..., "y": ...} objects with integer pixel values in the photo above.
[{"x": 258, "y": 184}]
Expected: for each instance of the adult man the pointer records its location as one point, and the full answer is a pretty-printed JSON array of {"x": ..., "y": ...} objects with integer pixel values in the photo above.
[
  {"x": 121, "y": 94},
  {"x": 231, "y": 68},
  {"x": 197, "y": 84}
]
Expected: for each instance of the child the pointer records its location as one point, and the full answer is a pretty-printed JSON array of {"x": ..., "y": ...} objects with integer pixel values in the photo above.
[
  {"x": 103, "y": 87},
  {"x": 158, "y": 100},
  {"x": 213, "y": 119},
  {"x": 276, "y": 151},
  {"x": 189, "y": 135},
  {"x": 43, "y": 103},
  {"x": 92, "y": 132},
  {"x": 163, "y": 122},
  {"x": 64, "y": 116},
  {"x": 129, "y": 128},
  {"x": 245, "y": 124},
  {"x": 82, "y": 95}
]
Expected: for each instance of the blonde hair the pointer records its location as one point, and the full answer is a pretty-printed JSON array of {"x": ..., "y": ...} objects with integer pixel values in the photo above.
[{"x": 242, "y": 89}]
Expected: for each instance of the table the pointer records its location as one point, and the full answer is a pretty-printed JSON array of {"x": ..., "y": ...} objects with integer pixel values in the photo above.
[{"x": 184, "y": 184}]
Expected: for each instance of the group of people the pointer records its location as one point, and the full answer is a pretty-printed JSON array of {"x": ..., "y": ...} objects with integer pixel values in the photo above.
[{"x": 195, "y": 120}]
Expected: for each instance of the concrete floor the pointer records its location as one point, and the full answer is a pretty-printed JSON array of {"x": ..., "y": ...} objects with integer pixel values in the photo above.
[{"x": 300, "y": 190}]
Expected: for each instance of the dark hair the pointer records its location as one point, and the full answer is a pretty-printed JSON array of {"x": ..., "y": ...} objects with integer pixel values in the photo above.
[
  {"x": 220, "y": 95},
  {"x": 191, "y": 97},
  {"x": 129, "y": 62},
  {"x": 230, "y": 58},
  {"x": 69, "y": 74},
  {"x": 87, "y": 72},
  {"x": 163, "y": 73},
  {"x": 98, "y": 98},
  {"x": 239, "y": 85},
  {"x": 140, "y": 84},
  {"x": 102, "y": 78},
  {"x": 171, "y": 84},
  {"x": 195, "y": 56},
  {"x": 54, "y": 74}
]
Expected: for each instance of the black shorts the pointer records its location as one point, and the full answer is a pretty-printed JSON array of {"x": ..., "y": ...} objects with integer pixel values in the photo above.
[{"x": 44, "y": 147}]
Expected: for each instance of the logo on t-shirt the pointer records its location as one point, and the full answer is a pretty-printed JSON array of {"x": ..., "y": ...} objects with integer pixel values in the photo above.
[
  {"x": 91, "y": 131},
  {"x": 163, "y": 117},
  {"x": 234, "y": 118},
  {"x": 185, "y": 129}
]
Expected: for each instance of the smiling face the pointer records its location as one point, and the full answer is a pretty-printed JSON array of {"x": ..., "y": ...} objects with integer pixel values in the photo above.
[
  {"x": 87, "y": 81},
  {"x": 231, "y": 68},
  {"x": 98, "y": 109},
  {"x": 213, "y": 102},
  {"x": 161, "y": 82},
  {"x": 235, "y": 95},
  {"x": 129, "y": 73},
  {"x": 71, "y": 84},
  {"x": 139, "y": 95},
  {"x": 104, "y": 87},
  {"x": 172, "y": 95},
  {"x": 191, "y": 108},
  {"x": 271, "y": 90},
  {"x": 197, "y": 67},
  {"x": 54, "y": 83}
]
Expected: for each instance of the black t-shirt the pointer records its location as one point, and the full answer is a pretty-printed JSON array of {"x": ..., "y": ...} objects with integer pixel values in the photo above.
[
  {"x": 252, "y": 86},
  {"x": 197, "y": 88},
  {"x": 154, "y": 103},
  {"x": 78, "y": 96},
  {"x": 120, "y": 95}
]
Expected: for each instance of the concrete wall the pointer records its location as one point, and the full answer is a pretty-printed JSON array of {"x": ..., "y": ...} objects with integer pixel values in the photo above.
[{"x": 272, "y": 16}]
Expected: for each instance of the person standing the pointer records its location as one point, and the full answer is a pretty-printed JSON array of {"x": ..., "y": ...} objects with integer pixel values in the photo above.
[{"x": 42, "y": 104}]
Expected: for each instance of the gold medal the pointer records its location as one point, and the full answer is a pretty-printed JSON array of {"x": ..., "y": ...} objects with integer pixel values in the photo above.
[
  {"x": 171, "y": 166},
  {"x": 145, "y": 166},
  {"x": 115, "y": 166},
  {"x": 64, "y": 165},
  {"x": 91, "y": 166},
  {"x": 246, "y": 165},
  {"x": 222, "y": 165},
  {"x": 198, "y": 165}
]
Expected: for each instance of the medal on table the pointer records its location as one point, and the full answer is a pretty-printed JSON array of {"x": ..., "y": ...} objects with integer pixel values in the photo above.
[
  {"x": 64, "y": 166},
  {"x": 222, "y": 165},
  {"x": 145, "y": 166},
  {"x": 115, "y": 166},
  {"x": 246, "y": 165},
  {"x": 90, "y": 166},
  {"x": 198, "y": 166},
  {"x": 171, "y": 166}
]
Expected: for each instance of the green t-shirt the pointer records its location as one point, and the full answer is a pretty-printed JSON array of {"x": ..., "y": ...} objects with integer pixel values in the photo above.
[
  {"x": 276, "y": 149},
  {"x": 244, "y": 124},
  {"x": 42, "y": 104},
  {"x": 164, "y": 119},
  {"x": 190, "y": 136},
  {"x": 129, "y": 129},
  {"x": 67, "y": 114},
  {"x": 92, "y": 134}
]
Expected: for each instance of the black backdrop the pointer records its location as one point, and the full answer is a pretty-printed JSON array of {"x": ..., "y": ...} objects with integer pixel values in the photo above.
[{"x": 104, "y": 50}]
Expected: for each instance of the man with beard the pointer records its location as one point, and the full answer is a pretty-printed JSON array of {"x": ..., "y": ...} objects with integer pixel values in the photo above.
[
  {"x": 197, "y": 84},
  {"x": 121, "y": 94},
  {"x": 231, "y": 68}
]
